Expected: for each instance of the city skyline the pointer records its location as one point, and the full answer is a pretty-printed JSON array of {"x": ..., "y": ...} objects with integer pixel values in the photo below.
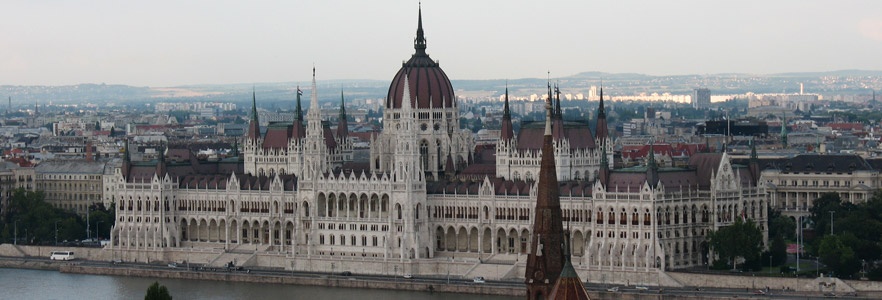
[{"x": 165, "y": 45}]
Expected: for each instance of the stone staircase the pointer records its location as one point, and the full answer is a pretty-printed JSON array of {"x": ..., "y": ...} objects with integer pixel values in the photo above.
[
  {"x": 241, "y": 255},
  {"x": 489, "y": 270}
]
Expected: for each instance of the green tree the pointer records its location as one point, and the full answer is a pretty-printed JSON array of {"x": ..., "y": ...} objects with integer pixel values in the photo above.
[
  {"x": 157, "y": 291},
  {"x": 837, "y": 256},
  {"x": 38, "y": 219},
  {"x": 783, "y": 226},
  {"x": 778, "y": 250},
  {"x": 741, "y": 239}
]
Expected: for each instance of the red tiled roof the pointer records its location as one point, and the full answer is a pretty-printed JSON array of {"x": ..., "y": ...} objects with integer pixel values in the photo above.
[{"x": 530, "y": 136}]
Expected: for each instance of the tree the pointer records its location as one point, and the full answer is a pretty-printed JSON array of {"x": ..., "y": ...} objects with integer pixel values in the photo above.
[
  {"x": 741, "y": 239},
  {"x": 778, "y": 250},
  {"x": 157, "y": 291},
  {"x": 783, "y": 226},
  {"x": 838, "y": 257}
]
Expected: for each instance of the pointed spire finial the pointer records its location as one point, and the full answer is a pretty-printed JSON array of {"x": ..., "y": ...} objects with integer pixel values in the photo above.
[
  {"x": 419, "y": 43},
  {"x": 253, "y": 104},
  {"x": 506, "y": 114}
]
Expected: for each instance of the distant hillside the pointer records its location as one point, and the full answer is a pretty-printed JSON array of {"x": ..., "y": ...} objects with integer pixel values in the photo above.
[{"x": 840, "y": 73}]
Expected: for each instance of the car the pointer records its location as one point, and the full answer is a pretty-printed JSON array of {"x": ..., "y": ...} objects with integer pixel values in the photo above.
[
  {"x": 173, "y": 265},
  {"x": 116, "y": 261},
  {"x": 346, "y": 273},
  {"x": 613, "y": 289},
  {"x": 478, "y": 280},
  {"x": 642, "y": 288},
  {"x": 408, "y": 276},
  {"x": 759, "y": 292}
]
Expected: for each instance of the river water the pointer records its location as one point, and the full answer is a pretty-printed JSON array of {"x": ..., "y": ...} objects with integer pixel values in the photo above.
[{"x": 35, "y": 284}]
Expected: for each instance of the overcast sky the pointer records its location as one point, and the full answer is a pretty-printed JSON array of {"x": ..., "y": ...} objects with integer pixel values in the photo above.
[{"x": 165, "y": 43}]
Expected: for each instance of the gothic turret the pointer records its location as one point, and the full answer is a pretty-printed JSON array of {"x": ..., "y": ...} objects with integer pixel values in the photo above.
[
  {"x": 507, "y": 130},
  {"x": 753, "y": 164},
  {"x": 601, "y": 131},
  {"x": 558, "y": 128},
  {"x": 342, "y": 125},
  {"x": 568, "y": 285},
  {"x": 652, "y": 168},
  {"x": 546, "y": 258},
  {"x": 253, "y": 125}
]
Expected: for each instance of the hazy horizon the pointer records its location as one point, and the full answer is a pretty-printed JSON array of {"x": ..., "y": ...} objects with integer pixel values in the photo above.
[{"x": 165, "y": 43}]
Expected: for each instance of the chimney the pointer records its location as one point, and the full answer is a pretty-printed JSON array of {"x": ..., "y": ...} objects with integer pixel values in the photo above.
[{"x": 89, "y": 151}]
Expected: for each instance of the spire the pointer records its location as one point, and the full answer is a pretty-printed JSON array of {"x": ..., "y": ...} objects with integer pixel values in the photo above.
[
  {"x": 652, "y": 167},
  {"x": 342, "y": 123},
  {"x": 545, "y": 260},
  {"x": 604, "y": 167},
  {"x": 506, "y": 114},
  {"x": 548, "y": 114},
  {"x": 601, "y": 111},
  {"x": 253, "y": 104},
  {"x": 601, "y": 130},
  {"x": 127, "y": 160},
  {"x": 313, "y": 101},
  {"x": 507, "y": 129},
  {"x": 753, "y": 164},
  {"x": 254, "y": 125},
  {"x": 298, "y": 110},
  {"x": 557, "y": 111},
  {"x": 419, "y": 43}
]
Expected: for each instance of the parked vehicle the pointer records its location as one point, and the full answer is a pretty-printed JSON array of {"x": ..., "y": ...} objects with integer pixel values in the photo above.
[
  {"x": 62, "y": 255},
  {"x": 346, "y": 273},
  {"x": 642, "y": 288},
  {"x": 408, "y": 276},
  {"x": 613, "y": 289},
  {"x": 173, "y": 265},
  {"x": 478, "y": 280}
]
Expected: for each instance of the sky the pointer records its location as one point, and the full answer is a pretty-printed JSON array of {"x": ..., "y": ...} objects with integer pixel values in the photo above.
[{"x": 167, "y": 43}]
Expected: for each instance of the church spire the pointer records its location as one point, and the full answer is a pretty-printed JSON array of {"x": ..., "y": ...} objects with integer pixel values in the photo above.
[
  {"x": 546, "y": 257},
  {"x": 601, "y": 131},
  {"x": 342, "y": 123},
  {"x": 254, "y": 125},
  {"x": 253, "y": 104},
  {"x": 507, "y": 130},
  {"x": 652, "y": 167},
  {"x": 419, "y": 43}
]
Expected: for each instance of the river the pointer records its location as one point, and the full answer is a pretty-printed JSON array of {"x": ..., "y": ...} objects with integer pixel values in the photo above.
[{"x": 35, "y": 284}]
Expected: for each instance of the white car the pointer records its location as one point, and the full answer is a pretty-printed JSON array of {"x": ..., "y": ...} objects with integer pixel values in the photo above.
[
  {"x": 408, "y": 276},
  {"x": 642, "y": 288},
  {"x": 478, "y": 280},
  {"x": 61, "y": 255},
  {"x": 613, "y": 289}
]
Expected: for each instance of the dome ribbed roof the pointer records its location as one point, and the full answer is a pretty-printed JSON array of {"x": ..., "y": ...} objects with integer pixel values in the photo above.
[{"x": 430, "y": 87}]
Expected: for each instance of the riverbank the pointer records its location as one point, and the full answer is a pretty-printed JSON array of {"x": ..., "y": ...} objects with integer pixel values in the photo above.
[
  {"x": 429, "y": 275},
  {"x": 326, "y": 281}
]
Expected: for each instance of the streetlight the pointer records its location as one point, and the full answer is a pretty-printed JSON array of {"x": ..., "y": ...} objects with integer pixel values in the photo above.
[
  {"x": 56, "y": 233},
  {"x": 15, "y": 241}
]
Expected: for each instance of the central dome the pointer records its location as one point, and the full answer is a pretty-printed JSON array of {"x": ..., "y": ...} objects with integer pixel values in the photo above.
[{"x": 429, "y": 86}]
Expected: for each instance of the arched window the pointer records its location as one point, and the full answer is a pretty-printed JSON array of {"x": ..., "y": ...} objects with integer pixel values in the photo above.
[{"x": 424, "y": 154}]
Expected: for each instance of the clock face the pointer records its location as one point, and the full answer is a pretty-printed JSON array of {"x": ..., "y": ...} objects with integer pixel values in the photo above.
[{"x": 539, "y": 275}]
